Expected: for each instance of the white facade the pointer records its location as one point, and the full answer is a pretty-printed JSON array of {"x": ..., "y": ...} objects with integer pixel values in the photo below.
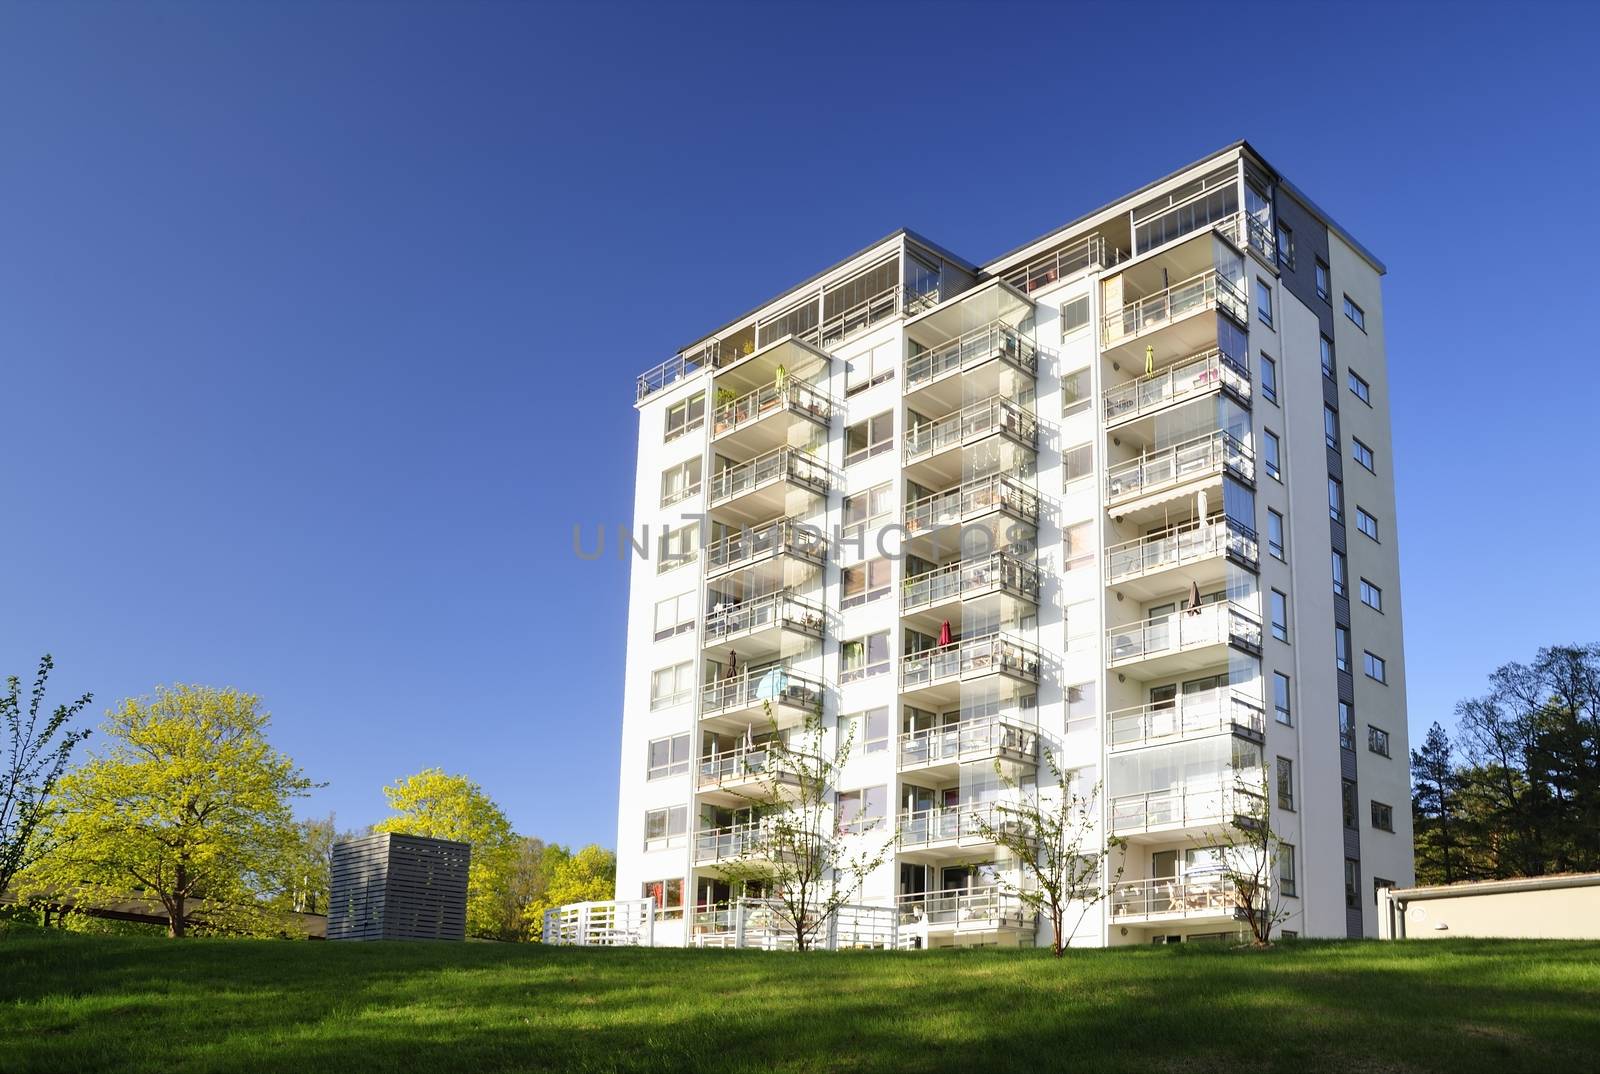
[{"x": 925, "y": 401}]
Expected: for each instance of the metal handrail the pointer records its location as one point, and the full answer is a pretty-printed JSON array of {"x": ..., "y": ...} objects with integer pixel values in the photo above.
[
  {"x": 1210, "y": 624},
  {"x": 974, "y": 739},
  {"x": 777, "y": 684},
  {"x": 995, "y": 414},
  {"x": 966, "y": 823},
  {"x": 1185, "y": 806},
  {"x": 1053, "y": 267},
  {"x": 973, "y": 347},
  {"x": 795, "y": 395},
  {"x": 1203, "y": 456},
  {"x": 1178, "y": 545},
  {"x": 1192, "y": 376},
  {"x": 1203, "y": 291},
  {"x": 1196, "y": 893},
  {"x": 1000, "y": 491},
  {"x": 782, "y": 608},
  {"x": 1204, "y": 712},
  {"x": 862, "y": 315},
  {"x": 982, "y": 907},
  {"x": 745, "y": 761},
  {"x": 778, "y": 537},
  {"x": 781, "y": 464},
  {"x": 968, "y": 576},
  {"x": 988, "y": 654}
]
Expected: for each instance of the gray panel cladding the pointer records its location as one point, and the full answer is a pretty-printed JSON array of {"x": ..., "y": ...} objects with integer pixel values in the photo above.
[
  {"x": 1310, "y": 243},
  {"x": 398, "y": 887}
]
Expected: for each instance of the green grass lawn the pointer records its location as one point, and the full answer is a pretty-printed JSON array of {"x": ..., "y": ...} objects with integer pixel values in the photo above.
[{"x": 88, "y": 1003}]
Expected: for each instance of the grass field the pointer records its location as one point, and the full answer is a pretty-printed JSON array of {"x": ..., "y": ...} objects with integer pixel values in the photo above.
[{"x": 91, "y": 1003}]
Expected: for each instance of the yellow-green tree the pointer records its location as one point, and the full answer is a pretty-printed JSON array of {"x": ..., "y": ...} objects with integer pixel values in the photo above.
[
  {"x": 441, "y": 806},
  {"x": 188, "y": 804},
  {"x": 590, "y": 875}
]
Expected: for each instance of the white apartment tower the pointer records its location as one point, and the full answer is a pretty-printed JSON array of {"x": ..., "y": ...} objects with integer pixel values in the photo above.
[{"x": 1125, "y": 494}]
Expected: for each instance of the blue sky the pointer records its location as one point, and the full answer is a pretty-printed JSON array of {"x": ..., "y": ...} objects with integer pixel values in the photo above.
[{"x": 319, "y": 322}]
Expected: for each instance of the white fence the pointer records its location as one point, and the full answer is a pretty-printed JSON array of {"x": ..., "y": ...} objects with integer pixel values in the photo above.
[{"x": 618, "y": 923}]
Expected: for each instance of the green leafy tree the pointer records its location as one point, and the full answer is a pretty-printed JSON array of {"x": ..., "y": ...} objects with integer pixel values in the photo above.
[
  {"x": 37, "y": 754},
  {"x": 189, "y": 805},
  {"x": 442, "y": 806}
]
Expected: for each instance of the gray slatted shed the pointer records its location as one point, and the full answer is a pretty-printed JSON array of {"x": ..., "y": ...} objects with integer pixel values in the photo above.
[{"x": 398, "y": 887}]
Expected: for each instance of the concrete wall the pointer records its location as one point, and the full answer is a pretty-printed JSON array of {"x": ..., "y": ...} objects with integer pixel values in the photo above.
[{"x": 1539, "y": 908}]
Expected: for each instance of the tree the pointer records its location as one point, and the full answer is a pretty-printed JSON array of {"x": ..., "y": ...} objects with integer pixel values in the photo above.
[
  {"x": 1250, "y": 852},
  {"x": 590, "y": 875},
  {"x": 1435, "y": 807},
  {"x": 809, "y": 866},
  {"x": 441, "y": 806},
  {"x": 305, "y": 872},
  {"x": 1051, "y": 835},
  {"x": 189, "y": 804},
  {"x": 36, "y": 757}
]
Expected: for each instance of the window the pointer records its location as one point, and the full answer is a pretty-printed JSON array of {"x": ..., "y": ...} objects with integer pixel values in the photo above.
[
  {"x": 675, "y": 615},
  {"x": 685, "y": 417},
  {"x": 866, "y": 439},
  {"x": 1286, "y": 784},
  {"x": 1269, "y": 454},
  {"x": 1275, "y": 533},
  {"x": 1360, "y": 388},
  {"x": 1375, "y": 668},
  {"x": 869, "y": 730},
  {"x": 1322, "y": 280},
  {"x": 864, "y": 582},
  {"x": 1335, "y": 499},
  {"x": 1327, "y": 357},
  {"x": 1341, "y": 648},
  {"x": 1378, "y": 740},
  {"x": 668, "y": 895},
  {"x": 1074, "y": 315},
  {"x": 1347, "y": 802},
  {"x": 1352, "y": 884},
  {"x": 1362, "y": 454},
  {"x": 1269, "y": 379},
  {"x": 1382, "y": 817},
  {"x": 1280, "y": 697},
  {"x": 1075, "y": 394},
  {"x": 680, "y": 482},
  {"x": 863, "y": 658},
  {"x": 871, "y": 367},
  {"x": 1083, "y": 623},
  {"x": 668, "y": 757},
  {"x": 1280, "y": 616},
  {"x": 1347, "y": 726},
  {"x": 671, "y": 685},
  {"x": 1286, "y": 869},
  {"x": 862, "y": 810},
  {"x": 1264, "y": 301},
  {"x": 1338, "y": 574},
  {"x": 1077, "y": 463},
  {"x": 1366, "y": 523},
  {"x": 678, "y": 547},
  {"x": 1285, "y": 247},
  {"x": 867, "y": 506},
  {"x": 1330, "y": 426},
  {"x": 1080, "y": 701},
  {"x": 665, "y": 827},
  {"x": 1357, "y": 315},
  {"x": 1077, "y": 546},
  {"x": 1371, "y": 596}
]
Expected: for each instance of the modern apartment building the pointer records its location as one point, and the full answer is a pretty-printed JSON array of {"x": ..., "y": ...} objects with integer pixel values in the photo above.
[{"x": 1124, "y": 494}]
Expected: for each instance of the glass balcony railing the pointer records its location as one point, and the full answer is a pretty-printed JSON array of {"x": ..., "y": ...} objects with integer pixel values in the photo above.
[
  {"x": 965, "y": 908},
  {"x": 1203, "y": 457},
  {"x": 1219, "y": 623},
  {"x": 773, "y": 684},
  {"x": 744, "y": 763},
  {"x": 977, "y": 739},
  {"x": 997, "y": 492},
  {"x": 1041, "y": 272},
  {"x": 993, "y": 340},
  {"x": 754, "y": 544},
  {"x": 1190, "y": 378},
  {"x": 781, "y": 609},
  {"x": 958, "y": 824},
  {"x": 995, "y": 414},
  {"x": 989, "y": 655},
  {"x": 792, "y": 396},
  {"x": 1208, "y": 290},
  {"x": 1188, "y": 715},
  {"x": 1208, "y": 894},
  {"x": 784, "y": 464},
  {"x": 1188, "y": 806},
  {"x": 999, "y": 570},
  {"x": 1179, "y": 546}
]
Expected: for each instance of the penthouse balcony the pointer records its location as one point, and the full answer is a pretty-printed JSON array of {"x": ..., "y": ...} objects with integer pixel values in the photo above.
[
  {"x": 999, "y": 572},
  {"x": 1205, "y": 810},
  {"x": 1154, "y": 478},
  {"x": 768, "y": 541},
  {"x": 1089, "y": 252},
  {"x": 763, "y": 486},
  {"x": 1208, "y": 897},
  {"x": 983, "y": 740},
  {"x": 1222, "y": 711},
  {"x": 942, "y": 832},
  {"x": 760, "y": 420},
  {"x": 1193, "y": 552},
  {"x": 1184, "y": 640},
  {"x": 734, "y": 702},
  {"x": 964, "y": 910},
  {"x": 1189, "y": 378},
  {"x": 1205, "y": 291},
  {"x": 996, "y": 415}
]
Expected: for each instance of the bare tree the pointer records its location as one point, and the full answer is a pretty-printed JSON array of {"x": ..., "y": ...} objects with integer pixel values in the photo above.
[
  {"x": 810, "y": 865},
  {"x": 1250, "y": 853},
  {"x": 37, "y": 755},
  {"x": 1053, "y": 837}
]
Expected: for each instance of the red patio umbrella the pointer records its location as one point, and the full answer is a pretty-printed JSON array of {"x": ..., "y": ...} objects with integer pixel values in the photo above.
[{"x": 944, "y": 634}]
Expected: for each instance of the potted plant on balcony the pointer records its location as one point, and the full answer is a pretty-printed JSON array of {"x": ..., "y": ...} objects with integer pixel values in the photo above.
[{"x": 723, "y": 399}]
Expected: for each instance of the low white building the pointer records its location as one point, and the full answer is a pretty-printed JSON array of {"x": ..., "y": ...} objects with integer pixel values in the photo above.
[{"x": 1565, "y": 907}]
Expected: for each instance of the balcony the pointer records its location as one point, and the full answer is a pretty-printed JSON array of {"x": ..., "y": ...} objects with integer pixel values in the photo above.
[
  {"x": 999, "y": 572},
  {"x": 1185, "y": 640},
  {"x": 997, "y": 494},
  {"x": 1188, "y": 379},
  {"x": 995, "y": 341},
  {"x": 752, "y": 545},
  {"x": 1211, "y": 808},
  {"x": 974, "y": 422},
  {"x": 985, "y": 739},
  {"x": 1208, "y": 897},
  {"x": 761, "y": 418},
  {"x": 1089, "y": 252},
  {"x": 751, "y": 841},
  {"x": 948, "y": 832},
  {"x": 761, "y": 485},
  {"x": 1144, "y": 566},
  {"x": 973, "y": 658},
  {"x": 759, "y": 620},
  {"x": 1206, "y": 291},
  {"x": 1189, "y": 715},
  {"x": 754, "y": 770},
  {"x": 735, "y": 702},
  {"x": 985, "y": 909},
  {"x": 1256, "y": 237},
  {"x": 1205, "y": 458}
]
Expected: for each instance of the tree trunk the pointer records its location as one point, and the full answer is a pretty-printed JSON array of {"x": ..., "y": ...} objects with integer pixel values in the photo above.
[
  {"x": 1056, "y": 916},
  {"x": 176, "y": 910}
]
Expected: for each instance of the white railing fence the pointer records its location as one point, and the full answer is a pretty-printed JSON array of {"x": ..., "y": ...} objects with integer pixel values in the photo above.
[{"x": 614, "y": 923}]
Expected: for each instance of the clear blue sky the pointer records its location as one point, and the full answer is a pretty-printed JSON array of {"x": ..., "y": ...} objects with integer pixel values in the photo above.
[{"x": 318, "y": 322}]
